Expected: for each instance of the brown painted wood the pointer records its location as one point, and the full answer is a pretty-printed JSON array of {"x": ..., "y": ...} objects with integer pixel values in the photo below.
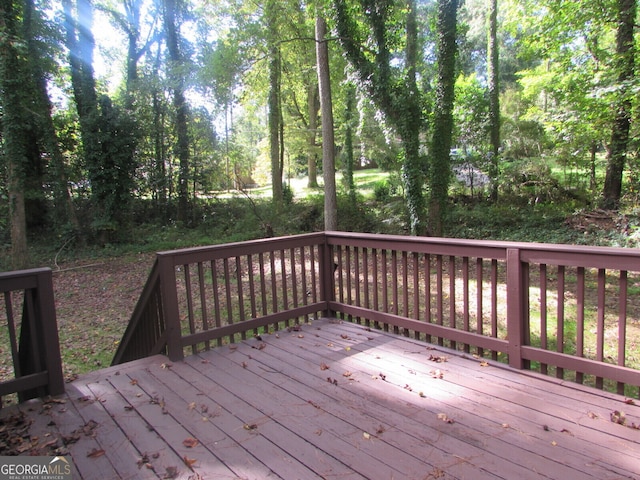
[{"x": 340, "y": 400}]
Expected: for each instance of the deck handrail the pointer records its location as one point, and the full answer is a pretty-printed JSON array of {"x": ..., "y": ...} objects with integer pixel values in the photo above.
[
  {"x": 526, "y": 304},
  {"x": 33, "y": 338}
]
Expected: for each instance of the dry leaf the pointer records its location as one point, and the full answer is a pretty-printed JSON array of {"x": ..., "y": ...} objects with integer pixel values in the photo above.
[
  {"x": 347, "y": 348},
  {"x": 192, "y": 406},
  {"x": 324, "y": 366},
  {"x": 165, "y": 366},
  {"x": 422, "y": 395},
  {"x": 95, "y": 453},
  {"x": 250, "y": 427},
  {"x": 366, "y": 435},
  {"x": 345, "y": 337},
  {"x": 133, "y": 381},
  {"x": 190, "y": 442},
  {"x": 170, "y": 473},
  {"x": 436, "y": 374},
  {"x": 593, "y": 415},
  {"x": 554, "y": 443},
  {"x": 244, "y": 364},
  {"x": 347, "y": 374},
  {"x": 484, "y": 363},
  {"x": 629, "y": 401},
  {"x": 189, "y": 462},
  {"x": 445, "y": 418},
  {"x": 618, "y": 417}
]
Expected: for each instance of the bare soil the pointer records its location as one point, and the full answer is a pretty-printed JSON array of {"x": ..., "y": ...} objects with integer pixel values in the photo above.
[{"x": 94, "y": 300}]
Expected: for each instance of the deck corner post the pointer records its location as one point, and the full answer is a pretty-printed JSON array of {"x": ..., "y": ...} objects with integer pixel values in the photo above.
[
  {"x": 326, "y": 274},
  {"x": 515, "y": 308},
  {"x": 51, "y": 343},
  {"x": 170, "y": 306}
]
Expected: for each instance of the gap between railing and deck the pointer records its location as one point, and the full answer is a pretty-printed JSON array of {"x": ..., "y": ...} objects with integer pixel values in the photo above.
[{"x": 567, "y": 311}]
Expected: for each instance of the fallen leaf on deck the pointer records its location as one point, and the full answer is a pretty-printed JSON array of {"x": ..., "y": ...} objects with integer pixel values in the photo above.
[
  {"x": 329, "y": 344},
  {"x": 366, "y": 435},
  {"x": 422, "y": 395},
  {"x": 166, "y": 366},
  {"x": 554, "y": 443},
  {"x": 380, "y": 430},
  {"x": 250, "y": 427},
  {"x": 629, "y": 401},
  {"x": 347, "y": 374},
  {"x": 324, "y": 366},
  {"x": 190, "y": 442},
  {"x": 445, "y": 418},
  {"x": 484, "y": 363},
  {"x": 593, "y": 415},
  {"x": 95, "y": 453},
  {"x": 244, "y": 364},
  {"x": 170, "y": 472},
  {"x": 618, "y": 417},
  {"x": 505, "y": 425},
  {"x": 408, "y": 387},
  {"x": 564, "y": 430},
  {"x": 332, "y": 381},
  {"x": 438, "y": 358},
  {"x": 133, "y": 381},
  {"x": 436, "y": 374},
  {"x": 189, "y": 462},
  {"x": 344, "y": 337}
]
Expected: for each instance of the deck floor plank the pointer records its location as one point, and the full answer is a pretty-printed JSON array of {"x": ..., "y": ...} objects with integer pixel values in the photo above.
[
  {"x": 336, "y": 400},
  {"x": 567, "y": 424}
]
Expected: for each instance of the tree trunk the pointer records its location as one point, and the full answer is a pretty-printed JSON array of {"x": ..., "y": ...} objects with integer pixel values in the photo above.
[
  {"x": 494, "y": 96},
  {"x": 274, "y": 120},
  {"x": 348, "y": 143},
  {"x": 181, "y": 109},
  {"x": 328, "y": 142},
  {"x": 313, "y": 105},
  {"x": 617, "y": 152},
  {"x": 13, "y": 120},
  {"x": 443, "y": 115}
]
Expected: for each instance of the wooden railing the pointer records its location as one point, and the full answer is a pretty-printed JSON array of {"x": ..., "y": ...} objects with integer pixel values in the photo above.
[
  {"x": 32, "y": 335},
  {"x": 567, "y": 311}
]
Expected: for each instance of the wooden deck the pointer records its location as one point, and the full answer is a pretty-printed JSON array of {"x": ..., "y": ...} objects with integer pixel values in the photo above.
[{"x": 335, "y": 400}]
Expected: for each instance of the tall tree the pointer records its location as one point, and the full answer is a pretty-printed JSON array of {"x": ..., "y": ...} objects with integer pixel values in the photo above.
[
  {"x": 180, "y": 105},
  {"x": 328, "y": 141},
  {"x": 625, "y": 63},
  {"x": 12, "y": 77},
  {"x": 443, "y": 114},
  {"x": 493, "y": 85},
  {"x": 274, "y": 102},
  {"x": 374, "y": 35}
]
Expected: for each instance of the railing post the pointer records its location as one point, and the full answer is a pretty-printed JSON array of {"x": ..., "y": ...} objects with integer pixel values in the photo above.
[
  {"x": 515, "y": 308},
  {"x": 46, "y": 310},
  {"x": 327, "y": 291},
  {"x": 169, "y": 294}
]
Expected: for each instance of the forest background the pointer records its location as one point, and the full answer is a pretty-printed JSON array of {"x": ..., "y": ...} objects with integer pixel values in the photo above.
[{"x": 132, "y": 126}]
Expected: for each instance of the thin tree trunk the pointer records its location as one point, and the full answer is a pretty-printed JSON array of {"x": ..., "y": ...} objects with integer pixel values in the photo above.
[
  {"x": 617, "y": 152},
  {"x": 494, "y": 96},
  {"x": 313, "y": 105},
  {"x": 328, "y": 142}
]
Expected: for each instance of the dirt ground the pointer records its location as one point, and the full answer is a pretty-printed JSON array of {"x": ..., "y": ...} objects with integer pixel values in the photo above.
[{"x": 93, "y": 303}]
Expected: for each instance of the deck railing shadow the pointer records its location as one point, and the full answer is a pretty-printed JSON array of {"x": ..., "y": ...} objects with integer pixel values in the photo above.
[
  {"x": 567, "y": 311},
  {"x": 31, "y": 334}
]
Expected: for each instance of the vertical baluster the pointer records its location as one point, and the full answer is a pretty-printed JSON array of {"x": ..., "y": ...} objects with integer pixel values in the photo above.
[
  {"x": 602, "y": 280},
  {"x": 560, "y": 315},
  {"x": 416, "y": 290},
  {"x": 216, "y": 297},
  {"x": 494, "y": 303},
  {"x": 189, "y": 292},
  {"x": 365, "y": 273},
  {"x": 385, "y": 287},
  {"x": 227, "y": 286},
  {"x": 203, "y": 302},
  {"x": 479, "y": 306},
  {"x": 274, "y": 285},
  {"x": 240, "y": 296},
  {"x": 622, "y": 325},
  {"x": 394, "y": 286},
  {"x": 427, "y": 292},
  {"x": 580, "y": 290},
  {"x": 252, "y": 290},
  {"x": 543, "y": 314},
  {"x": 283, "y": 274},
  {"x": 452, "y": 296},
  {"x": 376, "y": 283},
  {"x": 440, "y": 296},
  {"x": 348, "y": 269},
  {"x": 465, "y": 298},
  {"x": 356, "y": 279},
  {"x": 294, "y": 281}
]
